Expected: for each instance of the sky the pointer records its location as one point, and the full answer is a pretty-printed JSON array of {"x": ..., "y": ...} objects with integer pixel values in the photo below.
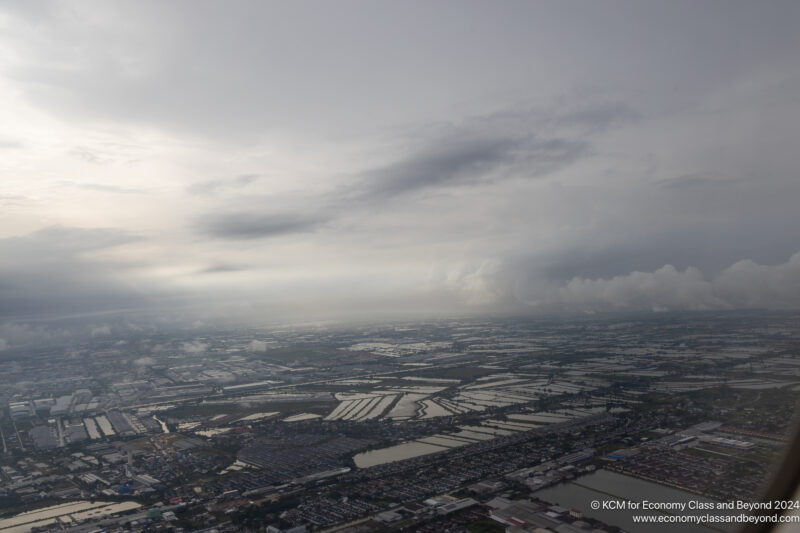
[{"x": 337, "y": 159}]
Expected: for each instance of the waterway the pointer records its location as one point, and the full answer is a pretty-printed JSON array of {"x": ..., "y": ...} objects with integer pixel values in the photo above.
[
  {"x": 164, "y": 427},
  {"x": 605, "y": 485}
]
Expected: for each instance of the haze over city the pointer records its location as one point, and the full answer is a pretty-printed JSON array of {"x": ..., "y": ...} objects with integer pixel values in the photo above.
[{"x": 328, "y": 160}]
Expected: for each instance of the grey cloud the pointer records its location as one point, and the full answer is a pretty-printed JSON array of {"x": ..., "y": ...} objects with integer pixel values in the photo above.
[
  {"x": 446, "y": 163},
  {"x": 212, "y": 186},
  {"x": 691, "y": 180},
  {"x": 246, "y": 226},
  {"x": 482, "y": 149},
  {"x": 47, "y": 272},
  {"x": 101, "y": 187},
  {"x": 205, "y": 68},
  {"x": 221, "y": 269},
  {"x": 451, "y": 129},
  {"x": 74, "y": 240},
  {"x": 598, "y": 117},
  {"x": 509, "y": 143}
]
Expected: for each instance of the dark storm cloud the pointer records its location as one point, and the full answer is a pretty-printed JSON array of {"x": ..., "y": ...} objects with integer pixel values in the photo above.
[{"x": 246, "y": 226}]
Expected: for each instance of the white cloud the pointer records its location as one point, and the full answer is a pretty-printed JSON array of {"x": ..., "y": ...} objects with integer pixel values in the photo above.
[
  {"x": 747, "y": 284},
  {"x": 101, "y": 331},
  {"x": 194, "y": 347},
  {"x": 257, "y": 346},
  {"x": 665, "y": 289},
  {"x": 742, "y": 285}
]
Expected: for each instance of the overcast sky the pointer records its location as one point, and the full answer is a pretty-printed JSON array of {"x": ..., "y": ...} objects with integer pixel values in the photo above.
[{"x": 344, "y": 158}]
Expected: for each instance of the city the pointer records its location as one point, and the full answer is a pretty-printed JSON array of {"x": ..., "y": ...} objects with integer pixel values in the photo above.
[{"x": 463, "y": 423}]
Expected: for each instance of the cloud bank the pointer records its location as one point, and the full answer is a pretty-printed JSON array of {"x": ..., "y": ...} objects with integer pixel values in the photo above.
[
  {"x": 262, "y": 161},
  {"x": 743, "y": 285}
]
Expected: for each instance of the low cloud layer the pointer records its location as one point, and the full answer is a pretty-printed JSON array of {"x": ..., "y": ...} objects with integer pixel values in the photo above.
[{"x": 743, "y": 285}]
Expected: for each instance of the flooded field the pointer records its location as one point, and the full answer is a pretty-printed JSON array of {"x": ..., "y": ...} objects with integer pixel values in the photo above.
[
  {"x": 396, "y": 453},
  {"x": 300, "y": 417}
]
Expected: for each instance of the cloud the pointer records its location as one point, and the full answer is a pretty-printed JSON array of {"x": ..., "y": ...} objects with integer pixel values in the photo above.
[
  {"x": 144, "y": 361},
  {"x": 480, "y": 150},
  {"x": 257, "y": 346},
  {"x": 538, "y": 150},
  {"x": 503, "y": 286},
  {"x": 101, "y": 187},
  {"x": 194, "y": 347},
  {"x": 73, "y": 239},
  {"x": 743, "y": 285},
  {"x": 3, "y": 345},
  {"x": 14, "y": 200},
  {"x": 521, "y": 143},
  {"x": 665, "y": 289},
  {"x": 213, "y": 186},
  {"x": 221, "y": 268},
  {"x": 461, "y": 160},
  {"x": 101, "y": 331},
  {"x": 10, "y": 144},
  {"x": 49, "y": 271},
  {"x": 690, "y": 180},
  {"x": 598, "y": 117},
  {"x": 746, "y": 284},
  {"x": 246, "y": 226}
]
